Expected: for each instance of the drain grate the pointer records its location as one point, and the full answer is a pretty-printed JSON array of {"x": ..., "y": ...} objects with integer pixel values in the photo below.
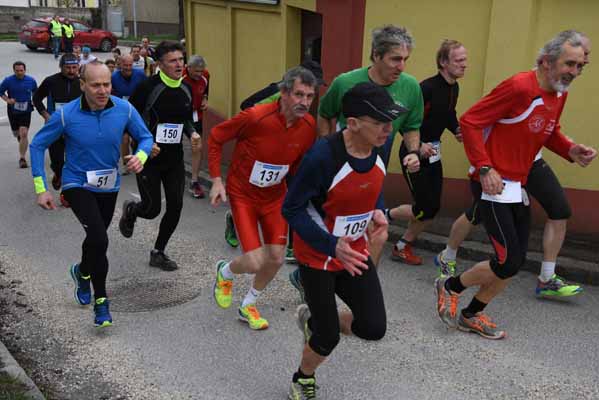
[{"x": 147, "y": 294}]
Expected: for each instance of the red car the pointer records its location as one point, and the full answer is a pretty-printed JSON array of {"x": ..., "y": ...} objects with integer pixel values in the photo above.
[{"x": 34, "y": 35}]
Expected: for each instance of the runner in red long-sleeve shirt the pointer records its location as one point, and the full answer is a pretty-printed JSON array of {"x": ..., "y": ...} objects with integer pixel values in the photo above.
[
  {"x": 502, "y": 134},
  {"x": 271, "y": 141}
]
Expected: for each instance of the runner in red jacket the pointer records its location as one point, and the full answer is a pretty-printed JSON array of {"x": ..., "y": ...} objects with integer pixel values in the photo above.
[
  {"x": 502, "y": 134},
  {"x": 271, "y": 141}
]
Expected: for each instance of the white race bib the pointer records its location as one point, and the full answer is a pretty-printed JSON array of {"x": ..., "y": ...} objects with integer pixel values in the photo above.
[
  {"x": 103, "y": 179},
  {"x": 195, "y": 116},
  {"x": 169, "y": 133},
  {"x": 264, "y": 175},
  {"x": 512, "y": 193},
  {"x": 436, "y": 157},
  {"x": 58, "y": 106},
  {"x": 126, "y": 98},
  {"x": 353, "y": 226},
  {"x": 21, "y": 105}
]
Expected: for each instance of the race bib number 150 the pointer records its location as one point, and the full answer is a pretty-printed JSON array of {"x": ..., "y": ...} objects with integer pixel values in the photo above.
[{"x": 169, "y": 133}]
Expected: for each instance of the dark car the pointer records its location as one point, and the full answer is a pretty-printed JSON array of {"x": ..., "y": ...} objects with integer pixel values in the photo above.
[{"x": 35, "y": 34}]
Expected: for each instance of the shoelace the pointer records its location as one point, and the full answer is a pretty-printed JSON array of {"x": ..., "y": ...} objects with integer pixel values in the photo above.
[
  {"x": 226, "y": 286},
  {"x": 485, "y": 320},
  {"x": 253, "y": 311},
  {"x": 308, "y": 388},
  {"x": 453, "y": 305}
]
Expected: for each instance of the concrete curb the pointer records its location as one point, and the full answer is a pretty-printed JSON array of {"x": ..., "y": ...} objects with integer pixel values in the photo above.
[
  {"x": 10, "y": 366},
  {"x": 571, "y": 269}
]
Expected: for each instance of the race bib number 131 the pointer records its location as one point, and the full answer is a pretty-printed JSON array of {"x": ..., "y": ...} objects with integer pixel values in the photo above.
[{"x": 264, "y": 175}]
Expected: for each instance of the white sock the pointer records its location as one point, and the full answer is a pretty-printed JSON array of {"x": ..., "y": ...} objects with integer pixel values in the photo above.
[
  {"x": 251, "y": 297},
  {"x": 226, "y": 271},
  {"x": 400, "y": 244},
  {"x": 547, "y": 271},
  {"x": 449, "y": 254}
]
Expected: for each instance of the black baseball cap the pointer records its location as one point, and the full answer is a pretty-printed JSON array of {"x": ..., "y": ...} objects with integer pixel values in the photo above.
[
  {"x": 372, "y": 100},
  {"x": 315, "y": 68}
]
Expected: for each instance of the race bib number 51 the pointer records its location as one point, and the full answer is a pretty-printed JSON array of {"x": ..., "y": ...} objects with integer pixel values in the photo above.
[
  {"x": 104, "y": 179},
  {"x": 353, "y": 226},
  {"x": 169, "y": 133},
  {"x": 264, "y": 175}
]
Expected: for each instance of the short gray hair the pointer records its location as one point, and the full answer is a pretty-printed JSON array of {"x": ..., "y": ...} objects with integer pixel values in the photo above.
[
  {"x": 553, "y": 49},
  {"x": 383, "y": 39},
  {"x": 196, "y": 61},
  {"x": 85, "y": 67},
  {"x": 305, "y": 76}
]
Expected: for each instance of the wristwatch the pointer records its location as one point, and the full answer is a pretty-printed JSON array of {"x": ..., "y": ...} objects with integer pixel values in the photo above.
[{"x": 484, "y": 170}]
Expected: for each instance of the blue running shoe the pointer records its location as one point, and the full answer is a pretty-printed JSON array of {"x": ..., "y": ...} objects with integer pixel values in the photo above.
[
  {"x": 103, "y": 317},
  {"x": 83, "y": 291},
  {"x": 296, "y": 281}
]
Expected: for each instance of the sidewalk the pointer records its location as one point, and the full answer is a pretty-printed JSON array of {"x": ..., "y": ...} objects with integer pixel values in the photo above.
[{"x": 578, "y": 260}]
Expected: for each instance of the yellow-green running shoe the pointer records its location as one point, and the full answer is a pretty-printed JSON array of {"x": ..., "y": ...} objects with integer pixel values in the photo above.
[
  {"x": 230, "y": 234},
  {"x": 556, "y": 287},
  {"x": 223, "y": 288},
  {"x": 251, "y": 315},
  {"x": 303, "y": 389}
]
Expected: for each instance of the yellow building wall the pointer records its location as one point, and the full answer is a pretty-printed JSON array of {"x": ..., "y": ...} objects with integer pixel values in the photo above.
[
  {"x": 502, "y": 38},
  {"x": 246, "y": 46}
]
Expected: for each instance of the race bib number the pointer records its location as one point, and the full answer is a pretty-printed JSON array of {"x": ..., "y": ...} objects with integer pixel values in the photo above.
[
  {"x": 264, "y": 175},
  {"x": 436, "y": 157},
  {"x": 103, "y": 179},
  {"x": 195, "y": 116},
  {"x": 21, "y": 105},
  {"x": 58, "y": 106},
  {"x": 353, "y": 226},
  {"x": 512, "y": 193},
  {"x": 169, "y": 133}
]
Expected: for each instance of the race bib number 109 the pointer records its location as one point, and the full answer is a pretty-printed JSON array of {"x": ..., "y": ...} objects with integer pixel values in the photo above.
[{"x": 353, "y": 226}]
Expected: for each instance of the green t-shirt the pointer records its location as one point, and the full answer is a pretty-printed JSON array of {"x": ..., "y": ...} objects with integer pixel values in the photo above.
[{"x": 405, "y": 91}]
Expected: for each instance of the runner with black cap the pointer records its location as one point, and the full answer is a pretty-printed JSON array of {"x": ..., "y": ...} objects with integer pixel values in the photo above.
[
  {"x": 58, "y": 89},
  {"x": 336, "y": 194}
]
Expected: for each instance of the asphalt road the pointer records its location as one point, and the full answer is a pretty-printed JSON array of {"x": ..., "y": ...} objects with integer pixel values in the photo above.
[{"x": 170, "y": 341}]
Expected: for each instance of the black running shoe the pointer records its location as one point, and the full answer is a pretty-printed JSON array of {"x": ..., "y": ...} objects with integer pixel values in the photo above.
[
  {"x": 127, "y": 221},
  {"x": 160, "y": 260}
]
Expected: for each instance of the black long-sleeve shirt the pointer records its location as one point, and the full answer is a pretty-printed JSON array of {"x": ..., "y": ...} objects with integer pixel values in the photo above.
[
  {"x": 440, "y": 99},
  {"x": 172, "y": 106},
  {"x": 58, "y": 89}
]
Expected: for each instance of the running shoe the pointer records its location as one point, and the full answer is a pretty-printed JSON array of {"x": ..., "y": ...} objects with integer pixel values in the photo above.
[
  {"x": 230, "y": 234},
  {"x": 128, "y": 217},
  {"x": 405, "y": 255},
  {"x": 481, "y": 324},
  {"x": 303, "y": 389},
  {"x": 251, "y": 315},
  {"x": 446, "y": 267},
  {"x": 290, "y": 256},
  {"x": 223, "y": 288},
  {"x": 447, "y": 303},
  {"x": 159, "y": 259},
  {"x": 22, "y": 163},
  {"x": 56, "y": 182},
  {"x": 296, "y": 281},
  {"x": 303, "y": 315},
  {"x": 556, "y": 287},
  {"x": 83, "y": 291},
  {"x": 196, "y": 190},
  {"x": 64, "y": 201},
  {"x": 103, "y": 317}
]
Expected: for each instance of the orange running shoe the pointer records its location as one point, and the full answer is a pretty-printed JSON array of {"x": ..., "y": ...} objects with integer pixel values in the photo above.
[{"x": 405, "y": 255}]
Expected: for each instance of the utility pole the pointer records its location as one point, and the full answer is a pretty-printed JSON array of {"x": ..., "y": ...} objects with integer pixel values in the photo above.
[{"x": 135, "y": 19}]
